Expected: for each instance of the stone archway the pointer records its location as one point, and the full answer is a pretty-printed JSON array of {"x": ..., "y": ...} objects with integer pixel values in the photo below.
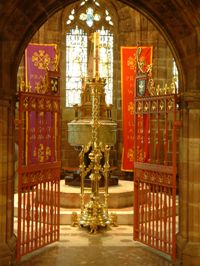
[{"x": 179, "y": 23}]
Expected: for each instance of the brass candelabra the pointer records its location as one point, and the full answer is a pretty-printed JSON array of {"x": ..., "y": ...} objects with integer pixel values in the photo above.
[{"x": 94, "y": 214}]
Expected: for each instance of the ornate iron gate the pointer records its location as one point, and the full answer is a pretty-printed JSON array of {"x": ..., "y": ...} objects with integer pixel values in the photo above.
[
  {"x": 39, "y": 166},
  {"x": 155, "y": 166}
]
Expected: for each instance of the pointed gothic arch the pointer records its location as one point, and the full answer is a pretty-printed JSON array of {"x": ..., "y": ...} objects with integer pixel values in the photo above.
[{"x": 186, "y": 32}]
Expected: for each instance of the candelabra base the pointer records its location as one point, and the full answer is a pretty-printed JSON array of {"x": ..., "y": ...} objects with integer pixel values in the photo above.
[{"x": 94, "y": 215}]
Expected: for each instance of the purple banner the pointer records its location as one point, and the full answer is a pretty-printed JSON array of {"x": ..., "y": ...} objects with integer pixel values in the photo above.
[
  {"x": 38, "y": 59},
  {"x": 41, "y": 132}
]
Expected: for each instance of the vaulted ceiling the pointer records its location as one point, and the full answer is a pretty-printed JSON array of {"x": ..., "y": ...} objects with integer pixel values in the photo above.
[{"x": 176, "y": 19}]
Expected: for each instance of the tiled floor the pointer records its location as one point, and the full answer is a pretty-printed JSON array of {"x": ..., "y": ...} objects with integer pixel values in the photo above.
[{"x": 109, "y": 248}]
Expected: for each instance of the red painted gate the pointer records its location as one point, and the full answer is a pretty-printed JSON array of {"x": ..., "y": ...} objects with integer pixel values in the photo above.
[
  {"x": 155, "y": 166},
  {"x": 39, "y": 166}
]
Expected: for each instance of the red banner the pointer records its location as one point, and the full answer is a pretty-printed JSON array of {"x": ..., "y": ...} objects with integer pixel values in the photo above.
[
  {"x": 128, "y": 76},
  {"x": 38, "y": 59}
]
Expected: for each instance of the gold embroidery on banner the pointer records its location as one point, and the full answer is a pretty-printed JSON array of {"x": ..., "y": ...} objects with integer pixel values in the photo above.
[
  {"x": 130, "y": 134},
  {"x": 131, "y": 62},
  {"x": 48, "y": 152},
  {"x": 55, "y": 106},
  {"x": 131, "y": 108},
  {"x": 41, "y": 59},
  {"x": 41, "y": 153},
  {"x": 56, "y": 60},
  {"x": 130, "y": 155}
]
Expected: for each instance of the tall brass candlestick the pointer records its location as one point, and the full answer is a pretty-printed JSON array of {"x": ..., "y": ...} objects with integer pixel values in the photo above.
[{"x": 94, "y": 214}]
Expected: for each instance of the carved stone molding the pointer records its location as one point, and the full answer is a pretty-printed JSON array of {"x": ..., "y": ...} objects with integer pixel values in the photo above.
[{"x": 190, "y": 99}]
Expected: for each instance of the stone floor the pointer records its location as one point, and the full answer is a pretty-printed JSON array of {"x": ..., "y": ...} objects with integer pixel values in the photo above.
[{"x": 113, "y": 247}]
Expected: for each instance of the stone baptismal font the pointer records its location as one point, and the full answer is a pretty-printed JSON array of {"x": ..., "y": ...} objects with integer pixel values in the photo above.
[{"x": 94, "y": 132}]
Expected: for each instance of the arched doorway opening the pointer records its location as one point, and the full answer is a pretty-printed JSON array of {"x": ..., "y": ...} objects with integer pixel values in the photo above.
[{"x": 160, "y": 66}]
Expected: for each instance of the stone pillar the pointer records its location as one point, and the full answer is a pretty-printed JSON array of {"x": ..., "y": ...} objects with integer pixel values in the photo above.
[
  {"x": 7, "y": 238},
  {"x": 188, "y": 239}
]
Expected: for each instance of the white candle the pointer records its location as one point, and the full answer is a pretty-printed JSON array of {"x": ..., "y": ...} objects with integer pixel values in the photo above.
[
  {"x": 97, "y": 55},
  {"x": 94, "y": 55}
]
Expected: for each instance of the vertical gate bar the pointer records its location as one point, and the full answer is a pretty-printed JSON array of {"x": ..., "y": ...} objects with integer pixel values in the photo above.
[
  {"x": 165, "y": 219},
  {"x": 136, "y": 208},
  {"x": 58, "y": 136},
  {"x": 40, "y": 213},
  {"x": 153, "y": 215},
  {"x": 137, "y": 214},
  {"x": 157, "y": 210},
  {"x": 37, "y": 133},
  {"x": 174, "y": 224},
  {"x": 47, "y": 204},
  {"x": 55, "y": 209},
  {"x": 24, "y": 219},
  {"x": 45, "y": 133},
  {"x": 27, "y": 206},
  {"x": 48, "y": 201},
  {"x": 160, "y": 216},
  {"x": 149, "y": 214},
  {"x": 58, "y": 133},
  {"x": 145, "y": 211},
  {"x": 28, "y": 217},
  {"x": 172, "y": 219},
  {"x": 44, "y": 137},
  {"x": 149, "y": 136},
  {"x": 19, "y": 218},
  {"x": 53, "y": 137},
  {"x": 166, "y": 149},
  {"x": 26, "y": 115},
  {"x": 169, "y": 220},
  {"x": 54, "y": 199},
  {"x": 44, "y": 211},
  {"x": 146, "y": 214},
  {"x": 142, "y": 136},
  {"x": 36, "y": 216},
  {"x": 58, "y": 206},
  {"x": 32, "y": 215},
  {"x": 51, "y": 212},
  {"x": 56, "y": 172},
  {"x": 28, "y": 119},
  {"x": 141, "y": 208},
  {"x": 158, "y": 134}
]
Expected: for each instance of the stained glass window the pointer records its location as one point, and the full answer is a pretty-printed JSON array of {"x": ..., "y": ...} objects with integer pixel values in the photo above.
[
  {"x": 78, "y": 52},
  {"x": 76, "y": 64},
  {"x": 106, "y": 62},
  {"x": 175, "y": 74}
]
